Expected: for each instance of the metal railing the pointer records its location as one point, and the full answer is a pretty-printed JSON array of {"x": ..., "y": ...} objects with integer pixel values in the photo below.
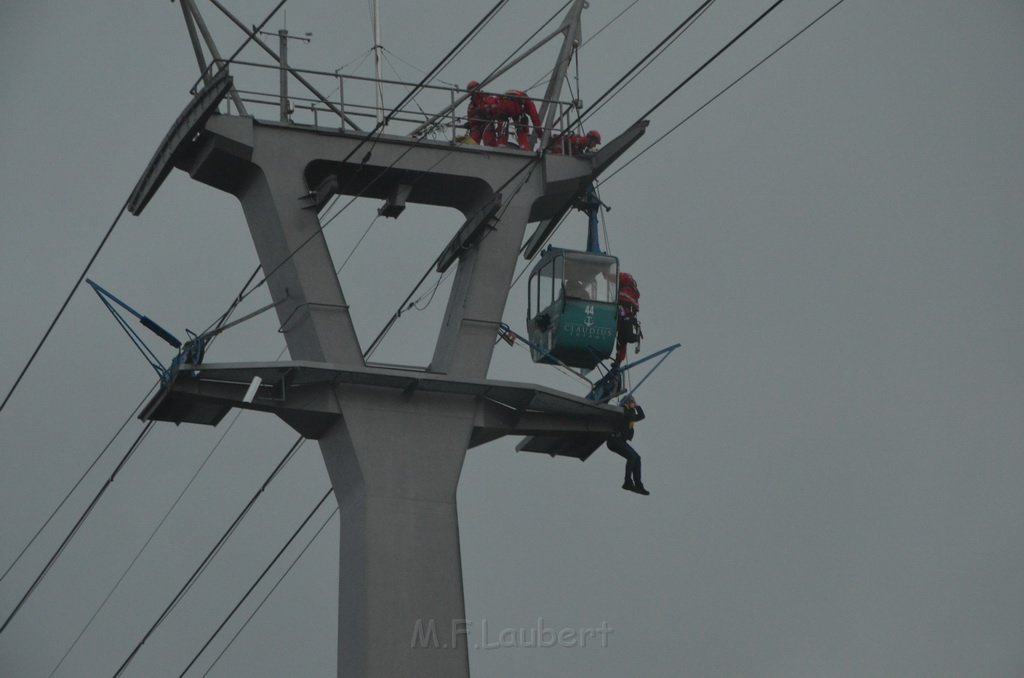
[{"x": 331, "y": 100}]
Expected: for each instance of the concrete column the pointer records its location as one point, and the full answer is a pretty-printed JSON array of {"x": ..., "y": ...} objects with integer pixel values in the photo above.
[{"x": 395, "y": 463}]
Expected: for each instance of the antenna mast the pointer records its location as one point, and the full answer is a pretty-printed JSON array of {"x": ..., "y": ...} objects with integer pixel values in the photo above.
[{"x": 377, "y": 48}]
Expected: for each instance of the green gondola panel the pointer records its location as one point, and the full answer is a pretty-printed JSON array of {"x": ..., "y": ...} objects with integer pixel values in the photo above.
[{"x": 573, "y": 306}]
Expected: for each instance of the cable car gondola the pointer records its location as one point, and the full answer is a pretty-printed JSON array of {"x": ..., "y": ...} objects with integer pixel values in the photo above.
[{"x": 572, "y": 307}]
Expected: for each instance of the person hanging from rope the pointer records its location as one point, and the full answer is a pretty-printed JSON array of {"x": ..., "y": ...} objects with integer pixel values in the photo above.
[
  {"x": 628, "y": 327},
  {"x": 574, "y": 144},
  {"x": 618, "y": 443}
]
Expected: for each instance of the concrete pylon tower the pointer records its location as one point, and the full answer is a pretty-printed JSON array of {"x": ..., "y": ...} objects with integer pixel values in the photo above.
[{"x": 393, "y": 439}]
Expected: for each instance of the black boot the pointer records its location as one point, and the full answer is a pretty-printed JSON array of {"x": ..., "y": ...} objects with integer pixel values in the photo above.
[{"x": 640, "y": 489}]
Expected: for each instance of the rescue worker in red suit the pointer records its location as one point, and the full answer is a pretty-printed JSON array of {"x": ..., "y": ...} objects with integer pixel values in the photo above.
[
  {"x": 628, "y": 325},
  {"x": 489, "y": 116},
  {"x": 479, "y": 115},
  {"x": 516, "y": 106},
  {"x": 574, "y": 144}
]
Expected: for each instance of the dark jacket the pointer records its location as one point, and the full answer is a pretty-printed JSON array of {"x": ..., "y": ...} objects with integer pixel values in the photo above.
[{"x": 633, "y": 415}]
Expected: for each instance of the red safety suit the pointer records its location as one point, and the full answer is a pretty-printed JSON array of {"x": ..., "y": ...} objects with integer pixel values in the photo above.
[
  {"x": 628, "y": 326},
  {"x": 479, "y": 115},
  {"x": 574, "y": 144},
  {"x": 488, "y": 117}
]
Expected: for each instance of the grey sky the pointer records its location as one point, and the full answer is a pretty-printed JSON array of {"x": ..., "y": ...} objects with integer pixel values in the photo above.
[{"x": 835, "y": 455}]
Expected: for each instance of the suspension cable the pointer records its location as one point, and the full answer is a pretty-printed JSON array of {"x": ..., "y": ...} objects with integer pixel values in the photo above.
[
  {"x": 60, "y": 549},
  {"x": 722, "y": 91},
  {"x": 531, "y": 166},
  {"x": 650, "y": 58},
  {"x": 710, "y": 60},
  {"x": 640, "y": 64},
  {"x": 145, "y": 545},
  {"x": 81, "y": 478},
  {"x": 263, "y": 574},
  {"x": 60, "y": 311},
  {"x": 209, "y": 556}
]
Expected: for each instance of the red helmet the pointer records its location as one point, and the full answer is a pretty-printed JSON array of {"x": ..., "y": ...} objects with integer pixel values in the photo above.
[
  {"x": 472, "y": 84},
  {"x": 626, "y": 280},
  {"x": 594, "y": 136}
]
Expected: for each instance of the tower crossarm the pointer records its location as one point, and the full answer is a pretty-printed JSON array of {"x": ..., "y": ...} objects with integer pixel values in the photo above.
[{"x": 303, "y": 394}]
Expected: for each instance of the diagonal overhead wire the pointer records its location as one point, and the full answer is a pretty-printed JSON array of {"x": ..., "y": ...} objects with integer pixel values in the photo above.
[
  {"x": 652, "y": 54},
  {"x": 722, "y": 91},
  {"x": 60, "y": 311},
  {"x": 67, "y": 496},
  {"x": 209, "y": 556},
  {"x": 145, "y": 545},
  {"x": 710, "y": 60},
  {"x": 259, "y": 579},
  {"x": 60, "y": 549}
]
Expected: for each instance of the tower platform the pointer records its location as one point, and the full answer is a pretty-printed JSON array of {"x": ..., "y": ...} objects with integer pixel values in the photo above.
[{"x": 305, "y": 395}]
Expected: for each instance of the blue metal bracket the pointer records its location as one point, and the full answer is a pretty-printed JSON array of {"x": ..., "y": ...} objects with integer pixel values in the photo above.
[{"x": 191, "y": 352}]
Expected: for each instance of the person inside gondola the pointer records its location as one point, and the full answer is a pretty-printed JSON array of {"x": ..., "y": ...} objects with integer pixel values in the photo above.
[
  {"x": 576, "y": 289},
  {"x": 618, "y": 443}
]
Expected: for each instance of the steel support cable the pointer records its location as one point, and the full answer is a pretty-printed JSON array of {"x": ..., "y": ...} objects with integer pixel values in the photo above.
[
  {"x": 219, "y": 322},
  {"x": 650, "y": 58},
  {"x": 583, "y": 44},
  {"x": 81, "y": 478},
  {"x": 722, "y": 91},
  {"x": 713, "y": 57},
  {"x": 255, "y": 31},
  {"x": 60, "y": 549},
  {"x": 132, "y": 449},
  {"x": 274, "y": 588},
  {"x": 60, "y": 311},
  {"x": 259, "y": 579},
  {"x": 403, "y": 307},
  {"x": 431, "y": 293},
  {"x": 145, "y": 545},
  {"x": 209, "y": 556},
  {"x": 613, "y": 20},
  {"x": 640, "y": 64}
]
